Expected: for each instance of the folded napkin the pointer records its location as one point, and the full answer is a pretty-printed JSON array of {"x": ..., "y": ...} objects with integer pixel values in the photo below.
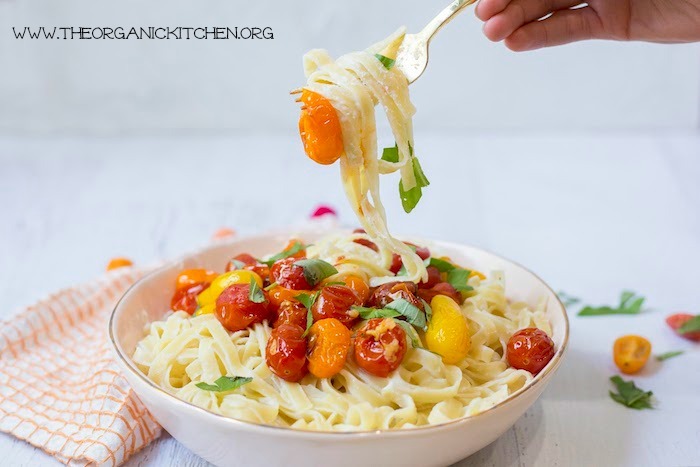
[{"x": 60, "y": 388}]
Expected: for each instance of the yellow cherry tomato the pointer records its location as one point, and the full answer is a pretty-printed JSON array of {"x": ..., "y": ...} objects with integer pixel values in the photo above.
[
  {"x": 206, "y": 309},
  {"x": 448, "y": 331},
  {"x": 631, "y": 353},
  {"x": 222, "y": 282}
]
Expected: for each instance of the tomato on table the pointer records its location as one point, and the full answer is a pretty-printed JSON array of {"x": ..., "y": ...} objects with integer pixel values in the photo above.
[
  {"x": 285, "y": 353},
  {"x": 288, "y": 275},
  {"x": 189, "y": 277},
  {"x": 380, "y": 346},
  {"x": 185, "y": 298},
  {"x": 319, "y": 128},
  {"x": 329, "y": 344},
  {"x": 236, "y": 311},
  {"x": 335, "y": 301},
  {"x": 631, "y": 353},
  {"x": 529, "y": 349},
  {"x": 678, "y": 320},
  {"x": 291, "y": 312}
]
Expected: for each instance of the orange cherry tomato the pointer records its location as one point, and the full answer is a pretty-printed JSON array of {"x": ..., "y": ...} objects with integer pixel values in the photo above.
[
  {"x": 116, "y": 263},
  {"x": 299, "y": 254},
  {"x": 319, "y": 128},
  {"x": 185, "y": 298},
  {"x": 359, "y": 286},
  {"x": 285, "y": 353},
  {"x": 190, "y": 277},
  {"x": 529, "y": 349},
  {"x": 329, "y": 344},
  {"x": 380, "y": 346},
  {"x": 236, "y": 312},
  {"x": 631, "y": 353},
  {"x": 280, "y": 294}
]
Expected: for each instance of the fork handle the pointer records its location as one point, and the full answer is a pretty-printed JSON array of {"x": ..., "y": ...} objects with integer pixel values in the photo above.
[{"x": 444, "y": 17}]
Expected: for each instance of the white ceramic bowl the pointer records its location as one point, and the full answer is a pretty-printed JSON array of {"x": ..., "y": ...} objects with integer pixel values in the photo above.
[{"x": 225, "y": 441}]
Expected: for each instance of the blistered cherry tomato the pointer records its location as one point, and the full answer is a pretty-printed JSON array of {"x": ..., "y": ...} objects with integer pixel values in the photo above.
[
  {"x": 631, "y": 353},
  {"x": 235, "y": 311},
  {"x": 530, "y": 349},
  {"x": 279, "y": 294},
  {"x": 335, "y": 301},
  {"x": 380, "y": 346},
  {"x": 288, "y": 275},
  {"x": 319, "y": 128},
  {"x": 678, "y": 320},
  {"x": 368, "y": 243},
  {"x": 185, "y": 298},
  {"x": 245, "y": 258},
  {"x": 396, "y": 263},
  {"x": 421, "y": 251},
  {"x": 329, "y": 344},
  {"x": 190, "y": 277},
  {"x": 286, "y": 352},
  {"x": 433, "y": 278},
  {"x": 387, "y": 293},
  {"x": 441, "y": 288},
  {"x": 291, "y": 312},
  {"x": 359, "y": 286}
]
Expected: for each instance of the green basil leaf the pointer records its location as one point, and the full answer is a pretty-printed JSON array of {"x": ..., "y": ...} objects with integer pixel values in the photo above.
[
  {"x": 409, "y": 311},
  {"x": 410, "y": 198},
  {"x": 391, "y": 154},
  {"x": 421, "y": 180},
  {"x": 293, "y": 250},
  {"x": 629, "y": 395},
  {"x": 692, "y": 325},
  {"x": 386, "y": 61},
  {"x": 667, "y": 355},
  {"x": 308, "y": 301},
  {"x": 567, "y": 300},
  {"x": 428, "y": 311},
  {"x": 333, "y": 283},
  {"x": 630, "y": 304},
  {"x": 236, "y": 264},
  {"x": 411, "y": 333},
  {"x": 458, "y": 278},
  {"x": 255, "y": 294},
  {"x": 225, "y": 383},
  {"x": 369, "y": 313},
  {"x": 315, "y": 270},
  {"x": 440, "y": 264}
]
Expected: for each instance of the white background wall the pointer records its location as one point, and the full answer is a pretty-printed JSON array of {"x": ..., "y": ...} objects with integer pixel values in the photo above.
[{"x": 125, "y": 87}]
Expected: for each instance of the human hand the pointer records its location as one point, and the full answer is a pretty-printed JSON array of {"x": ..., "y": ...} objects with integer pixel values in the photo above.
[{"x": 519, "y": 22}]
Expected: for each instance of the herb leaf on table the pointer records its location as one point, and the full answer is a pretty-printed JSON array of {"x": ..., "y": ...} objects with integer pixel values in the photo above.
[
  {"x": 629, "y": 395},
  {"x": 225, "y": 383},
  {"x": 667, "y": 355},
  {"x": 630, "y": 304}
]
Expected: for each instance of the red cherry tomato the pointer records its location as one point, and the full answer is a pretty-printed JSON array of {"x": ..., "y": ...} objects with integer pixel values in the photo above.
[
  {"x": 441, "y": 288},
  {"x": 235, "y": 311},
  {"x": 433, "y": 278},
  {"x": 380, "y": 346},
  {"x": 185, "y": 299},
  {"x": 678, "y": 320},
  {"x": 530, "y": 349},
  {"x": 288, "y": 275},
  {"x": 421, "y": 251},
  {"x": 285, "y": 353},
  {"x": 251, "y": 264},
  {"x": 387, "y": 293},
  {"x": 396, "y": 263},
  {"x": 369, "y": 244},
  {"x": 291, "y": 312},
  {"x": 335, "y": 301}
]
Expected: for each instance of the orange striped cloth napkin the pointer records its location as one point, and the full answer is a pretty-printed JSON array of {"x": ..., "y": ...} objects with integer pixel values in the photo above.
[{"x": 60, "y": 388}]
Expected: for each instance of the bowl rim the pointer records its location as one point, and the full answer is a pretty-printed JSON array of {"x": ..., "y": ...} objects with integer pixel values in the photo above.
[{"x": 127, "y": 362}]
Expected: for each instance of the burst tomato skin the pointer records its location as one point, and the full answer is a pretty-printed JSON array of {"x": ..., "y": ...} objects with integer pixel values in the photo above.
[
  {"x": 441, "y": 288},
  {"x": 285, "y": 353},
  {"x": 185, "y": 298},
  {"x": 291, "y": 312},
  {"x": 630, "y": 353},
  {"x": 530, "y": 349},
  {"x": 380, "y": 346},
  {"x": 288, "y": 275},
  {"x": 387, "y": 293},
  {"x": 329, "y": 344},
  {"x": 433, "y": 278},
  {"x": 236, "y": 312},
  {"x": 678, "y": 320},
  {"x": 335, "y": 301}
]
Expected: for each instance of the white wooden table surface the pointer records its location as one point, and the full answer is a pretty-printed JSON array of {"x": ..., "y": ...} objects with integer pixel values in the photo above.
[{"x": 592, "y": 214}]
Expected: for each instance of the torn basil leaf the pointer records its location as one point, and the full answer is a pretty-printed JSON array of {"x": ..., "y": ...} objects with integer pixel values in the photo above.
[
  {"x": 255, "y": 294},
  {"x": 440, "y": 264},
  {"x": 411, "y": 333},
  {"x": 386, "y": 61},
  {"x": 667, "y": 355},
  {"x": 308, "y": 301},
  {"x": 458, "y": 279},
  {"x": 225, "y": 383},
  {"x": 293, "y": 250},
  {"x": 315, "y": 270},
  {"x": 629, "y": 395},
  {"x": 391, "y": 154},
  {"x": 410, "y": 198},
  {"x": 630, "y": 304},
  {"x": 369, "y": 313},
  {"x": 412, "y": 313},
  {"x": 692, "y": 325},
  {"x": 236, "y": 264}
]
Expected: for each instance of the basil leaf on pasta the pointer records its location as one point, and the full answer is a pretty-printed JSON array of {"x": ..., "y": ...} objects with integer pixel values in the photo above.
[
  {"x": 409, "y": 311},
  {"x": 225, "y": 383},
  {"x": 440, "y": 264},
  {"x": 428, "y": 311},
  {"x": 308, "y": 301},
  {"x": 293, "y": 250},
  {"x": 315, "y": 270},
  {"x": 255, "y": 294},
  {"x": 369, "y": 313},
  {"x": 411, "y": 333},
  {"x": 458, "y": 279},
  {"x": 386, "y": 61},
  {"x": 391, "y": 154}
]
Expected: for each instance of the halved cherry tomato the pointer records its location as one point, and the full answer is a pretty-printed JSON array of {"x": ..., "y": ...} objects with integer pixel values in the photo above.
[
  {"x": 288, "y": 275},
  {"x": 387, "y": 293},
  {"x": 380, "y": 346},
  {"x": 190, "y": 277},
  {"x": 185, "y": 298},
  {"x": 631, "y": 353},
  {"x": 441, "y": 288},
  {"x": 280, "y": 294},
  {"x": 319, "y": 128},
  {"x": 291, "y": 312},
  {"x": 329, "y": 344},
  {"x": 285, "y": 353},
  {"x": 530, "y": 349},
  {"x": 359, "y": 286},
  {"x": 116, "y": 263},
  {"x": 236, "y": 312},
  {"x": 335, "y": 301},
  {"x": 678, "y": 320}
]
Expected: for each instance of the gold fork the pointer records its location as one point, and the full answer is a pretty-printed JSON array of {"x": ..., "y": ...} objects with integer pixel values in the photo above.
[{"x": 412, "y": 56}]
